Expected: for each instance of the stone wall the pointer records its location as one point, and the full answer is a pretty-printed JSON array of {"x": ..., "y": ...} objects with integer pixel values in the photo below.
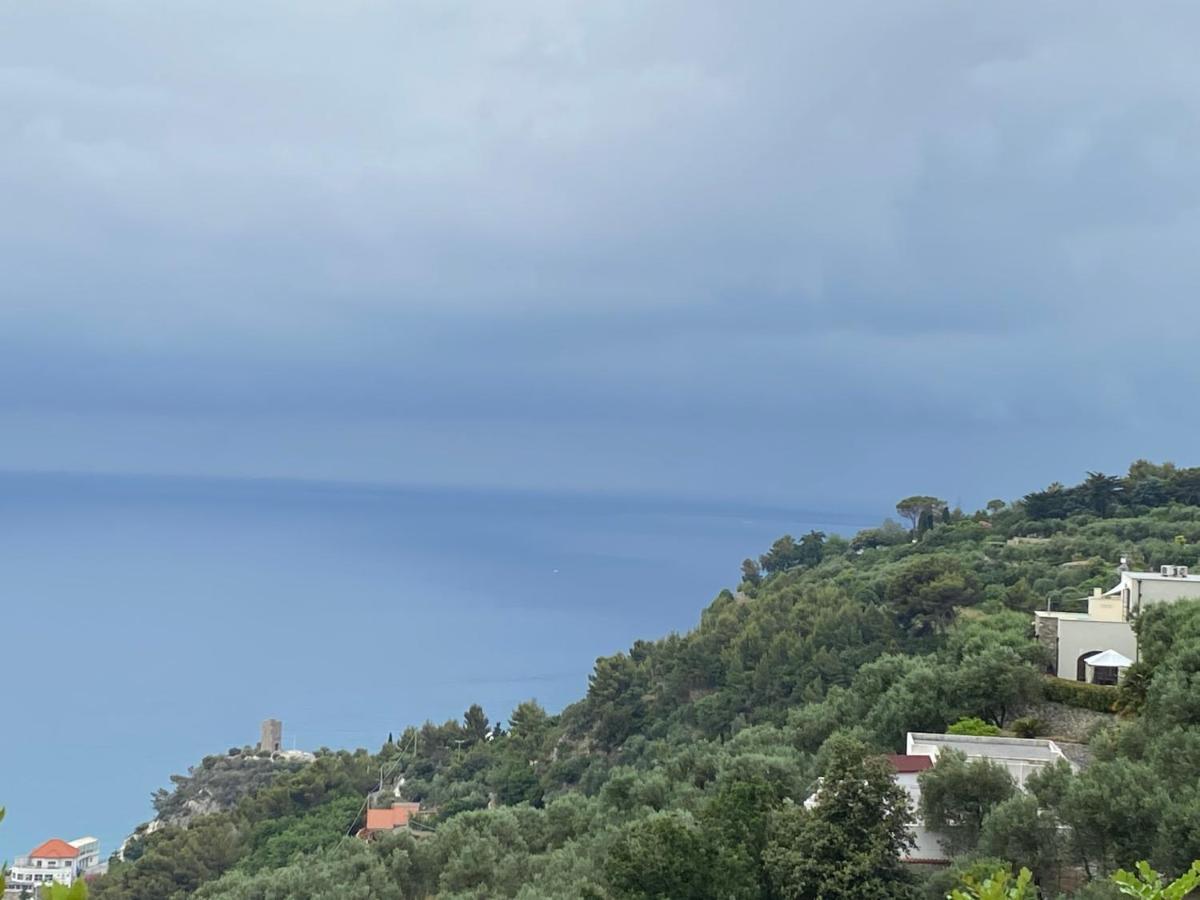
[{"x": 1064, "y": 723}]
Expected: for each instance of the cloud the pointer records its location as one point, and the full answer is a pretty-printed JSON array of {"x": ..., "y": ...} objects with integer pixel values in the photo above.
[{"x": 630, "y": 220}]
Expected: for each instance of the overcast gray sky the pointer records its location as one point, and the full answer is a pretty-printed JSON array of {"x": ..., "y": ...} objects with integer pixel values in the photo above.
[{"x": 786, "y": 251}]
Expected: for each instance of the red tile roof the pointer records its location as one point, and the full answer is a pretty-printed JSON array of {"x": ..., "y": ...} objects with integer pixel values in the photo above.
[
  {"x": 906, "y": 764},
  {"x": 396, "y": 817},
  {"x": 55, "y": 849}
]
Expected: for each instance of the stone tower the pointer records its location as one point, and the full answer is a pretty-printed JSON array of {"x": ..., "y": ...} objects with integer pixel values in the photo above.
[{"x": 272, "y": 736}]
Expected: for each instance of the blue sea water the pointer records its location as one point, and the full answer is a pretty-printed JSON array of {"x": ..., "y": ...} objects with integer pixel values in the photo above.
[{"x": 146, "y": 622}]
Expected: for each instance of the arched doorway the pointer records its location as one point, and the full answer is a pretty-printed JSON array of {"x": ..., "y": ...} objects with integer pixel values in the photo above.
[{"x": 1081, "y": 665}]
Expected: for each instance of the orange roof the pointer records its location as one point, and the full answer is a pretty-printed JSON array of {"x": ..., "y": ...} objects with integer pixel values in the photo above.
[
  {"x": 55, "y": 849},
  {"x": 396, "y": 817}
]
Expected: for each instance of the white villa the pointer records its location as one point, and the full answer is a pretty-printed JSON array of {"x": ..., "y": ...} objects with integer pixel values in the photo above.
[
  {"x": 1096, "y": 645},
  {"x": 1021, "y": 756},
  {"x": 56, "y": 860}
]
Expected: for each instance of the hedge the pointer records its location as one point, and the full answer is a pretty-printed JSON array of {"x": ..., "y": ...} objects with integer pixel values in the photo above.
[{"x": 1098, "y": 697}]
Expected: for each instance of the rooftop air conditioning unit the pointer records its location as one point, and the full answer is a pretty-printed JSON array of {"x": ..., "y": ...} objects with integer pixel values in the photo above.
[
  {"x": 1166, "y": 571},
  {"x": 1181, "y": 571}
]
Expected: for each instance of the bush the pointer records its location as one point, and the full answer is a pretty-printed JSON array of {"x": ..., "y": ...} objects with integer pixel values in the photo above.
[
  {"x": 1098, "y": 697},
  {"x": 1028, "y": 727},
  {"x": 973, "y": 726}
]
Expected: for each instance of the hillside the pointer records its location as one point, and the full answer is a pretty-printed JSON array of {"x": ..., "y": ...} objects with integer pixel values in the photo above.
[{"x": 675, "y": 775}]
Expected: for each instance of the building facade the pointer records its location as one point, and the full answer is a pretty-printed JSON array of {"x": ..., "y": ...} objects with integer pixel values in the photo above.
[
  {"x": 927, "y": 847},
  {"x": 1073, "y": 637},
  {"x": 1020, "y": 756},
  {"x": 56, "y": 861}
]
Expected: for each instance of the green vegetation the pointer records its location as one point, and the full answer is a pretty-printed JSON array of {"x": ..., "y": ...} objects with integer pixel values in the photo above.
[
  {"x": 1148, "y": 884},
  {"x": 958, "y": 795},
  {"x": 684, "y": 770},
  {"x": 77, "y": 891},
  {"x": 999, "y": 886},
  {"x": 1100, "y": 697},
  {"x": 974, "y": 725}
]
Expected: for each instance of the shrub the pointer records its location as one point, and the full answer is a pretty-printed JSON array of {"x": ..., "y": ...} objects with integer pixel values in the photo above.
[
  {"x": 973, "y": 726},
  {"x": 1000, "y": 886},
  {"x": 1098, "y": 697},
  {"x": 1028, "y": 727}
]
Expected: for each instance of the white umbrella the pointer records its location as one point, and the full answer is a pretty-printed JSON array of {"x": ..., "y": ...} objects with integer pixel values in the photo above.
[{"x": 1111, "y": 659}]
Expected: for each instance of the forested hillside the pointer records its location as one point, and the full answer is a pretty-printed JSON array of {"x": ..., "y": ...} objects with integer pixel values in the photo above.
[{"x": 682, "y": 773}]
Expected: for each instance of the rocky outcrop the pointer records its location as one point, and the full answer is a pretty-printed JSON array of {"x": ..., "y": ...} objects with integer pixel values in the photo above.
[{"x": 216, "y": 785}]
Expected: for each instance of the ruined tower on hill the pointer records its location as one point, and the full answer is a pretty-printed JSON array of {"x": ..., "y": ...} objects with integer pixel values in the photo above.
[{"x": 271, "y": 739}]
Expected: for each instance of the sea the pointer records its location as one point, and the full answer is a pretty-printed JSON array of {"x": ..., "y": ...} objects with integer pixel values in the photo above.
[{"x": 146, "y": 622}]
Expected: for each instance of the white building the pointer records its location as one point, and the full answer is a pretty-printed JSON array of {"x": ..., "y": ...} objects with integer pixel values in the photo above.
[
  {"x": 1073, "y": 637},
  {"x": 54, "y": 861},
  {"x": 1020, "y": 756},
  {"x": 927, "y": 847}
]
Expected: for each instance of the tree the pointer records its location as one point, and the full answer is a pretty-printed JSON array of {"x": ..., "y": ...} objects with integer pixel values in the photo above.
[
  {"x": 1101, "y": 492},
  {"x": 1050, "y": 784},
  {"x": 958, "y": 793},
  {"x": 528, "y": 722},
  {"x": 1018, "y": 830},
  {"x": 1151, "y": 492},
  {"x": 850, "y": 843},
  {"x": 475, "y": 724},
  {"x": 811, "y": 548},
  {"x": 1000, "y": 886},
  {"x": 990, "y": 683},
  {"x": 925, "y": 593},
  {"x": 786, "y": 554},
  {"x": 615, "y": 697},
  {"x": 913, "y": 508},
  {"x": 515, "y": 781},
  {"x": 995, "y": 506},
  {"x": 924, "y": 523},
  {"x": 889, "y": 534},
  {"x": 740, "y": 812},
  {"x": 1056, "y": 502},
  {"x": 751, "y": 573},
  {"x": 1142, "y": 469},
  {"x": 1148, "y": 884},
  {"x": 1114, "y": 809},
  {"x": 667, "y": 857}
]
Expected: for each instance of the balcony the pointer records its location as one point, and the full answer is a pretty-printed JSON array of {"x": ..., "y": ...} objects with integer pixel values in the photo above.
[{"x": 47, "y": 865}]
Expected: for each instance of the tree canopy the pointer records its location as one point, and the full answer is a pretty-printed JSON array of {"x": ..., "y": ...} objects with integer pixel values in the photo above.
[{"x": 685, "y": 768}]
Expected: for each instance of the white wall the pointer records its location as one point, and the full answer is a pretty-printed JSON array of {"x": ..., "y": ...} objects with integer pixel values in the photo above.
[
  {"x": 1149, "y": 591},
  {"x": 27, "y": 876},
  {"x": 1079, "y": 636},
  {"x": 928, "y": 846}
]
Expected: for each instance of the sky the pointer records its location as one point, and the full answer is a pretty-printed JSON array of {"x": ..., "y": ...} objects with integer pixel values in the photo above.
[
  {"x": 809, "y": 250},
  {"x": 775, "y": 255},
  {"x": 804, "y": 251}
]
